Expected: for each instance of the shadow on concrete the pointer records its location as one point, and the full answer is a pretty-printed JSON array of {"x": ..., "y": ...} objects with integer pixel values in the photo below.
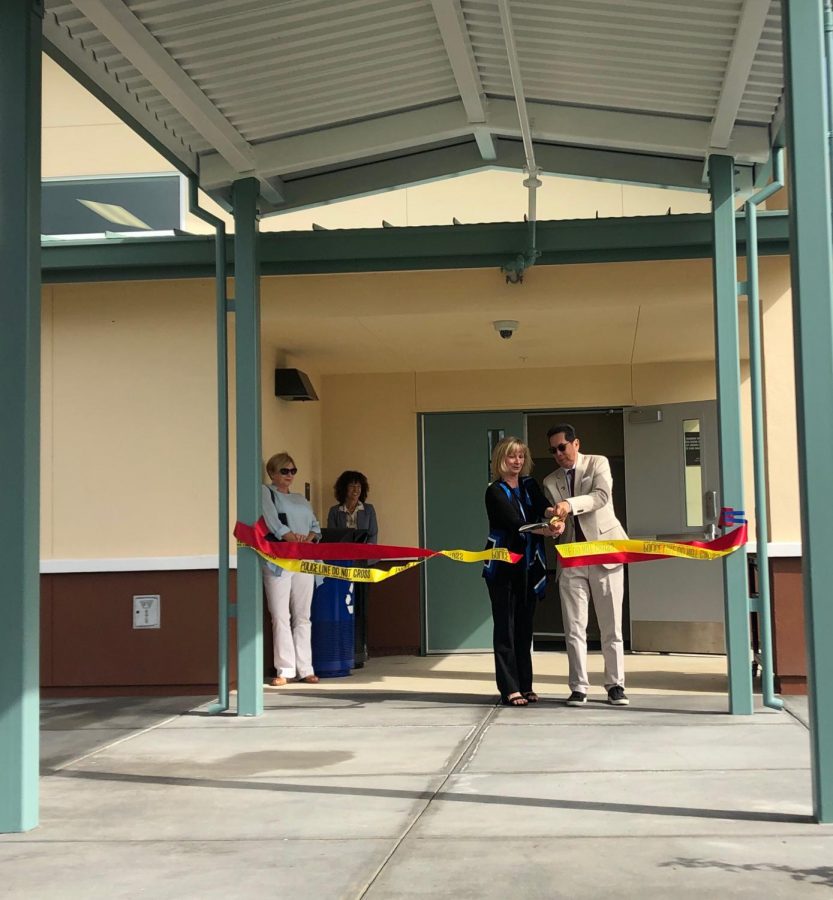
[
  {"x": 821, "y": 875},
  {"x": 357, "y": 699},
  {"x": 708, "y": 682},
  {"x": 312, "y": 698},
  {"x": 735, "y": 815},
  {"x": 67, "y": 714},
  {"x": 72, "y": 728},
  {"x": 695, "y": 682}
]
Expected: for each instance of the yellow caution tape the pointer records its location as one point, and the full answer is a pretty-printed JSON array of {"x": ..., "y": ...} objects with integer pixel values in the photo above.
[{"x": 363, "y": 574}]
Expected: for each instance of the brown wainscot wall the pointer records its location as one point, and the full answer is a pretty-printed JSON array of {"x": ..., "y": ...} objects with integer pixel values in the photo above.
[
  {"x": 90, "y": 648},
  {"x": 89, "y": 645},
  {"x": 789, "y": 655},
  {"x": 393, "y": 620}
]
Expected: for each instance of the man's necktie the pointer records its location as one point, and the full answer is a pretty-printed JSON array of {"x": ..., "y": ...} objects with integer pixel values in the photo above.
[{"x": 571, "y": 475}]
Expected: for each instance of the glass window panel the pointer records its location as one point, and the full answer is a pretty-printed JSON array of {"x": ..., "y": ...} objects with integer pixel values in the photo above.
[
  {"x": 120, "y": 203},
  {"x": 494, "y": 436},
  {"x": 693, "y": 472}
]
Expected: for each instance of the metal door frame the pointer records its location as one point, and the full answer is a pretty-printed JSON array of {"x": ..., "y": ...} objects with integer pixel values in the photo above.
[{"x": 421, "y": 482}]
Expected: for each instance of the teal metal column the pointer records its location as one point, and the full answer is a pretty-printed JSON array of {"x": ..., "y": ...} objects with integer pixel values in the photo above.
[
  {"x": 221, "y": 320},
  {"x": 249, "y": 450},
  {"x": 753, "y": 310},
  {"x": 727, "y": 354},
  {"x": 20, "y": 160},
  {"x": 812, "y": 286}
]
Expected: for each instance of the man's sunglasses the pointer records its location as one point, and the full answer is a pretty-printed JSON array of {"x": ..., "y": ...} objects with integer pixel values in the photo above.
[
  {"x": 288, "y": 471},
  {"x": 558, "y": 448}
]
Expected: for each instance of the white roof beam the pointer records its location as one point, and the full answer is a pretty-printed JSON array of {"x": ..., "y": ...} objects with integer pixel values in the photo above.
[
  {"x": 452, "y": 25},
  {"x": 517, "y": 84},
  {"x": 485, "y": 142},
  {"x": 130, "y": 37},
  {"x": 344, "y": 143},
  {"x": 747, "y": 37}
]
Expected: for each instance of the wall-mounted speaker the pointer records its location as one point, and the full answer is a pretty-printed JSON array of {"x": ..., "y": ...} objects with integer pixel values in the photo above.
[{"x": 293, "y": 384}]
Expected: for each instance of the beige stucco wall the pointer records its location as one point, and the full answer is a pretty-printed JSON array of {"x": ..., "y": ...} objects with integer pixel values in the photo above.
[
  {"x": 129, "y": 421},
  {"x": 381, "y": 439},
  {"x": 128, "y": 410},
  {"x": 129, "y": 413},
  {"x": 293, "y": 425},
  {"x": 779, "y": 397}
]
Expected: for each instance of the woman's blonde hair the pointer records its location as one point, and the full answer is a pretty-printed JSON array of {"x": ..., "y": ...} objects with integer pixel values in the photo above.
[
  {"x": 503, "y": 449},
  {"x": 279, "y": 461}
]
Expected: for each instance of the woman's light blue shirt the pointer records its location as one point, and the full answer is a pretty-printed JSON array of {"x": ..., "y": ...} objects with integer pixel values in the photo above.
[{"x": 299, "y": 517}]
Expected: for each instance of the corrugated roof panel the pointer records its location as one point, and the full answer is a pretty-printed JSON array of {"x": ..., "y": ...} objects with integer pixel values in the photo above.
[
  {"x": 273, "y": 69},
  {"x": 370, "y": 54},
  {"x": 310, "y": 77},
  {"x": 307, "y": 64},
  {"x": 667, "y": 57},
  {"x": 766, "y": 78},
  {"x": 124, "y": 74}
]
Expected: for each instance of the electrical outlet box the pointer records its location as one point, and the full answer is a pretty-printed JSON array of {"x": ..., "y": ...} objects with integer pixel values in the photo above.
[{"x": 146, "y": 611}]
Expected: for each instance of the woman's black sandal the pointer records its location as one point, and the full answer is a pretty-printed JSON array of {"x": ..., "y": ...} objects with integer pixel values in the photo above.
[
  {"x": 514, "y": 700},
  {"x": 530, "y": 697}
]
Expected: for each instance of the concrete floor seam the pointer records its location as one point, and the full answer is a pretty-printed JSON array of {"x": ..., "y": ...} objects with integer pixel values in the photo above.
[
  {"x": 501, "y": 724},
  {"x": 794, "y": 714},
  {"x": 812, "y": 832},
  {"x": 196, "y": 841},
  {"x": 109, "y": 746},
  {"x": 620, "y": 771},
  {"x": 397, "y": 725},
  {"x": 398, "y": 843},
  {"x": 524, "y": 839}
]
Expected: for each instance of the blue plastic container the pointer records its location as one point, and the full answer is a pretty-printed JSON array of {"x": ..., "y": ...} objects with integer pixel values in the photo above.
[{"x": 333, "y": 628}]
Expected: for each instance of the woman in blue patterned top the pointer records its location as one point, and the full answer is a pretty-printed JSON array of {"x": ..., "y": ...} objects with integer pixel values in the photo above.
[
  {"x": 289, "y": 594},
  {"x": 513, "y": 500}
]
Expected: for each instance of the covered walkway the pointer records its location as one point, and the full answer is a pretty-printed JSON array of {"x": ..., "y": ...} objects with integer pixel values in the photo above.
[
  {"x": 406, "y": 781},
  {"x": 457, "y": 103}
]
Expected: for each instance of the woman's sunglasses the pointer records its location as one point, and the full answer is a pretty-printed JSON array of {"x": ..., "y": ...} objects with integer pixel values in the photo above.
[
  {"x": 558, "y": 448},
  {"x": 288, "y": 471}
]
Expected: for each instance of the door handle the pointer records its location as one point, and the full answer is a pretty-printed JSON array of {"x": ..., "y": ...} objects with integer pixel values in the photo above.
[
  {"x": 710, "y": 514},
  {"x": 710, "y": 505}
]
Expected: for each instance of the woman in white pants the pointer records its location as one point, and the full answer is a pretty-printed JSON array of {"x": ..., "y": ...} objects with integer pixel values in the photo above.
[{"x": 289, "y": 594}]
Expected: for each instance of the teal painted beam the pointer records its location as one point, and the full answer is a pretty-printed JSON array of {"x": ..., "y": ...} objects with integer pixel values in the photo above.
[
  {"x": 249, "y": 445},
  {"x": 812, "y": 294},
  {"x": 396, "y": 249},
  {"x": 727, "y": 355},
  {"x": 424, "y": 166},
  {"x": 20, "y": 159}
]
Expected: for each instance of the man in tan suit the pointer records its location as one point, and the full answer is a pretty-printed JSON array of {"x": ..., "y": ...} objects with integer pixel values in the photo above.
[{"x": 581, "y": 491}]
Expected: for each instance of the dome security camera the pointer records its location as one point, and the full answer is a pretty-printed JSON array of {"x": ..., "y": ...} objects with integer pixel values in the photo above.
[{"x": 506, "y": 328}]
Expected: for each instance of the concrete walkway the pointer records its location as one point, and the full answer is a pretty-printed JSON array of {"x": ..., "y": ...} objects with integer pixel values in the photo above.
[{"x": 406, "y": 780}]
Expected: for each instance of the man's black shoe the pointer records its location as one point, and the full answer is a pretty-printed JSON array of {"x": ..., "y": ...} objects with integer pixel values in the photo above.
[
  {"x": 577, "y": 699},
  {"x": 616, "y": 696}
]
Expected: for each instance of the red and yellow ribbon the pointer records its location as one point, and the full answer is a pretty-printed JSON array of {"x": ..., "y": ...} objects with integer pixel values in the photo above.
[
  {"x": 596, "y": 553},
  {"x": 308, "y": 557}
]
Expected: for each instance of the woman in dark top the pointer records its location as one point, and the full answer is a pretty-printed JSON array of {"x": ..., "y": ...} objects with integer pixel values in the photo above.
[
  {"x": 353, "y": 510},
  {"x": 513, "y": 500}
]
